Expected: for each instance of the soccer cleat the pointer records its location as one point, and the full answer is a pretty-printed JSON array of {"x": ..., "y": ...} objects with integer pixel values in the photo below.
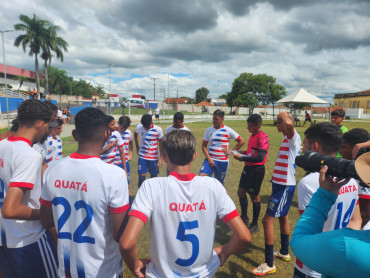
[
  {"x": 280, "y": 256},
  {"x": 253, "y": 228},
  {"x": 263, "y": 270},
  {"x": 245, "y": 219}
]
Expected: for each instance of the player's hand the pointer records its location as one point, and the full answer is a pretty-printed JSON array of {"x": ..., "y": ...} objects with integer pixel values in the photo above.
[
  {"x": 110, "y": 145},
  {"x": 221, "y": 255},
  {"x": 160, "y": 162},
  {"x": 236, "y": 155},
  {"x": 330, "y": 183},
  {"x": 211, "y": 162},
  {"x": 226, "y": 151},
  {"x": 140, "y": 268}
]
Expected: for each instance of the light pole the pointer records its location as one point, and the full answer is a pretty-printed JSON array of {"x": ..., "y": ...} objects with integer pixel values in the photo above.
[
  {"x": 110, "y": 86},
  {"x": 6, "y": 83},
  {"x": 154, "y": 79}
]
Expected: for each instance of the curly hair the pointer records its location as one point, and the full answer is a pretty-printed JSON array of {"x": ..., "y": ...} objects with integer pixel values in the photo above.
[
  {"x": 338, "y": 113},
  {"x": 90, "y": 124},
  {"x": 328, "y": 135},
  {"x": 31, "y": 111},
  {"x": 146, "y": 120},
  {"x": 255, "y": 119},
  {"x": 355, "y": 136}
]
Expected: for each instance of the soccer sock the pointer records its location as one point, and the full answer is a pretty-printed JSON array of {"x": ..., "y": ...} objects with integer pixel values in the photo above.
[
  {"x": 256, "y": 212},
  {"x": 141, "y": 180},
  {"x": 284, "y": 244},
  {"x": 269, "y": 254},
  {"x": 244, "y": 205}
]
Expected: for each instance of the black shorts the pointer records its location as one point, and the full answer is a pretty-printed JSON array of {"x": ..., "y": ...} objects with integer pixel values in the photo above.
[
  {"x": 251, "y": 179},
  {"x": 157, "y": 116}
]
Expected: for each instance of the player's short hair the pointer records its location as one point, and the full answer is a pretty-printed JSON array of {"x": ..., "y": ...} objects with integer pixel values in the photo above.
[
  {"x": 178, "y": 116},
  {"x": 30, "y": 111},
  {"x": 51, "y": 105},
  {"x": 108, "y": 119},
  {"x": 59, "y": 122},
  {"x": 179, "y": 146},
  {"x": 338, "y": 113},
  {"x": 90, "y": 125},
  {"x": 124, "y": 121},
  {"x": 255, "y": 119},
  {"x": 355, "y": 136},
  {"x": 15, "y": 125},
  {"x": 219, "y": 113},
  {"x": 146, "y": 120},
  {"x": 328, "y": 135},
  {"x": 290, "y": 116}
]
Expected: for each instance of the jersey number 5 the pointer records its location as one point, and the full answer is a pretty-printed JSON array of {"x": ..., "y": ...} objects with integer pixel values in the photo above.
[
  {"x": 183, "y": 226},
  {"x": 78, "y": 234}
]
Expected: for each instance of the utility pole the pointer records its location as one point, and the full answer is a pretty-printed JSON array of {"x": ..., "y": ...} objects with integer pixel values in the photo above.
[
  {"x": 164, "y": 97},
  {"x": 110, "y": 87},
  {"x": 177, "y": 95},
  {"x": 154, "y": 85}
]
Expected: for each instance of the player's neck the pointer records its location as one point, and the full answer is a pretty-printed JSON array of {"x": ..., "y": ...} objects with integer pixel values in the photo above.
[
  {"x": 89, "y": 149},
  {"x": 181, "y": 170},
  {"x": 28, "y": 133}
]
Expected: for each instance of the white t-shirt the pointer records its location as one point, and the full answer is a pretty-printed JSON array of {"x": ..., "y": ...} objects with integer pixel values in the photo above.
[
  {"x": 83, "y": 191},
  {"x": 150, "y": 112},
  {"x": 127, "y": 138},
  {"x": 53, "y": 149},
  {"x": 284, "y": 170},
  {"x": 183, "y": 211},
  {"x": 40, "y": 149},
  {"x": 20, "y": 167},
  {"x": 339, "y": 215},
  {"x": 219, "y": 139},
  {"x": 149, "y": 140},
  {"x": 110, "y": 155},
  {"x": 172, "y": 128},
  {"x": 157, "y": 111}
]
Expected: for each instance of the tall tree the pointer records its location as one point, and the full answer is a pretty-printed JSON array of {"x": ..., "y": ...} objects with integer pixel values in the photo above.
[
  {"x": 201, "y": 94},
  {"x": 21, "y": 80},
  {"x": 55, "y": 44},
  {"x": 34, "y": 38}
]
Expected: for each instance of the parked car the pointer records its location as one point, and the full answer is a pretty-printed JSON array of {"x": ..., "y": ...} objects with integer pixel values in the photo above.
[{"x": 134, "y": 102}]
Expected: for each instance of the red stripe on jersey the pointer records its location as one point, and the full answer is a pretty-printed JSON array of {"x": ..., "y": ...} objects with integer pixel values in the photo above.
[
  {"x": 298, "y": 263},
  {"x": 283, "y": 156},
  {"x": 120, "y": 209},
  {"x": 285, "y": 140},
  {"x": 280, "y": 164},
  {"x": 21, "y": 184},
  {"x": 45, "y": 203},
  {"x": 361, "y": 196},
  {"x": 280, "y": 172},
  {"x": 121, "y": 145},
  {"x": 237, "y": 138},
  {"x": 139, "y": 215},
  {"x": 292, "y": 135},
  {"x": 230, "y": 216},
  {"x": 301, "y": 211},
  {"x": 81, "y": 156},
  {"x": 358, "y": 201},
  {"x": 12, "y": 138},
  {"x": 186, "y": 177},
  {"x": 204, "y": 141},
  {"x": 284, "y": 149},
  {"x": 278, "y": 179}
]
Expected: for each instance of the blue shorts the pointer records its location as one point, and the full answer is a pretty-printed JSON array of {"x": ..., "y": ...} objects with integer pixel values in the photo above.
[
  {"x": 145, "y": 165},
  {"x": 128, "y": 170},
  {"x": 219, "y": 171},
  {"x": 36, "y": 260},
  {"x": 280, "y": 200}
]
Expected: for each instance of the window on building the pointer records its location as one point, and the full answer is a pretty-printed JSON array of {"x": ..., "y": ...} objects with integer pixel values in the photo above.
[
  {"x": 368, "y": 104},
  {"x": 355, "y": 104}
]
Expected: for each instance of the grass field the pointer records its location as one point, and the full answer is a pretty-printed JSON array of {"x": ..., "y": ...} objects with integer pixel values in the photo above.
[{"x": 238, "y": 265}]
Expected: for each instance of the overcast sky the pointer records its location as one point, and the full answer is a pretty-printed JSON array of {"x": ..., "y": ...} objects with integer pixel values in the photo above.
[{"x": 322, "y": 46}]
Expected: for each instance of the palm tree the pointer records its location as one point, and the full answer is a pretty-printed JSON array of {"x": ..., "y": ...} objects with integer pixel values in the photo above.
[
  {"x": 34, "y": 38},
  {"x": 21, "y": 80},
  {"x": 53, "y": 43}
]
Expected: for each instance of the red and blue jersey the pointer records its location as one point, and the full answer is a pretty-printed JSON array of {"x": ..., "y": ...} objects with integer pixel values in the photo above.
[
  {"x": 53, "y": 149},
  {"x": 149, "y": 140},
  {"x": 110, "y": 155},
  {"x": 126, "y": 138}
]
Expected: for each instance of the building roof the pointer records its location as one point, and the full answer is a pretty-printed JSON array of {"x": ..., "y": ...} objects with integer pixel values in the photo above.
[
  {"x": 176, "y": 100},
  {"x": 204, "y": 103},
  {"x": 302, "y": 96},
  {"x": 358, "y": 94},
  {"x": 10, "y": 70}
]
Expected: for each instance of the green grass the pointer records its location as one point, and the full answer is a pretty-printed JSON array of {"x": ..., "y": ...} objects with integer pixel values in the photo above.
[{"x": 240, "y": 264}]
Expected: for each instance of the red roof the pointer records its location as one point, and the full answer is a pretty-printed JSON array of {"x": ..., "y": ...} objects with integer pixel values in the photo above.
[
  {"x": 176, "y": 100},
  {"x": 18, "y": 71},
  {"x": 204, "y": 103}
]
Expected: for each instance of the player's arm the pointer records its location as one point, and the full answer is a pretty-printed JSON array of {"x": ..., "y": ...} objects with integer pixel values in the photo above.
[
  {"x": 260, "y": 157},
  {"x": 130, "y": 150},
  {"x": 119, "y": 222},
  {"x": 136, "y": 142},
  {"x": 44, "y": 166},
  {"x": 356, "y": 220},
  {"x": 128, "y": 246},
  {"x": 13, "y": 207},
  {"x": 123, "y": 158},
  {"x": 288, "y": 125},
  {"x": 108, "y": 146},
  {"x": 160, "y": 161},
  {"x": 240, "y": 237},
  {"x": 206, "y": 153},
  {"x": 240, "y": 143},
  {"x": 358, "y": 147},
  {"x": 46, "y": 215}
]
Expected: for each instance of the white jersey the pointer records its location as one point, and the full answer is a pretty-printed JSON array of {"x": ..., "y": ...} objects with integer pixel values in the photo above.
[
  {"x": 53, "y": 149},
  {"x": 172, "y": 128},
  {"x": 364, "y": 192},
  {"x": 110, "y": 155},
  {"x": 183, "y": 211},
  {"x": 60, "y": 113},
  {"x": 126, "y": 138},
  {"x": 20, "y": 167},
  {"x": 284, "y": 170},
  {"x": 339, "y": 215},
  {"x": 157, "y": 111},
  {"x": 83, "y": 191},
  {"x": 149, "y": 140},
  {"x": 40, "y": 149},
  {"x": 219, "y": 139}
]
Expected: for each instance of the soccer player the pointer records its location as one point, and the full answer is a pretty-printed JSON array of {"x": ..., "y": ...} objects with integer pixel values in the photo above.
[
  {"x": 254, "y": 170},
  {"x": 150, "y": 139},
  {"x": 307, "y": 118},
  {"x": 182, "y": 209},
  {"x": 113, "y": 146},
  {"x": 124, "y": 123},
  {"x": 349, "y": 140},
  {"x": 87, "y": 200},
  {"x": 283, "y": 186},
  {"x": 337, "y": 118},
  {"x": 218, "y": 136},
  {"x": 325, "y": 138},
  {"x": 53, "y": 144},
  {"x": 156, "y": 112},
  {"x": 27, "y": 250},
  {"x": 178, "y": 120}
]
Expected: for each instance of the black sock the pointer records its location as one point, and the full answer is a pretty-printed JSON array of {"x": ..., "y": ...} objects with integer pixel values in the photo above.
[
  {"x": 141, "y": 180},
  {"x": 256, "y": 212},
  {"x": 284, "y": 244},
  {"x": 244, "y": 205},
  {"x": 269, "y": 254}
]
